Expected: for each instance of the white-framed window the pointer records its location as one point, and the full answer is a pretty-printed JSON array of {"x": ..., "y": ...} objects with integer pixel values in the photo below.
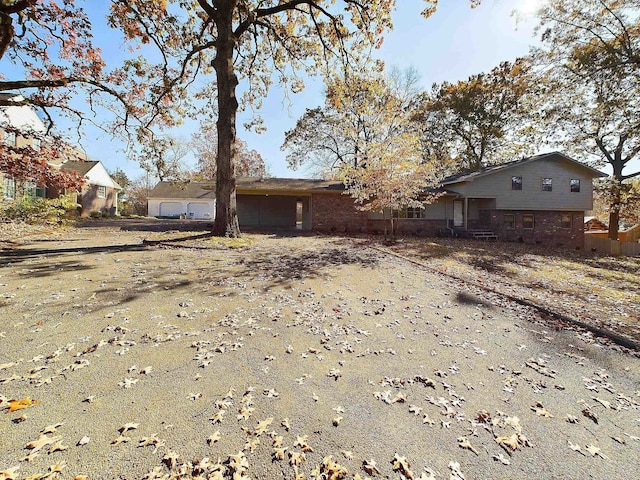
[
  {"x": 36, "y": 144},
  {"x": 102, "y": 191},
  {"x": 547, "y": 184},
  {"x": 9, "y": 188},
  {"x": 10, "y": 139}
]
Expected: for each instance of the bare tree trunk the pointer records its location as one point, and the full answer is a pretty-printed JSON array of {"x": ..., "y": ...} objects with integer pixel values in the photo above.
[
  {"x": 614, "y": 209},
  {"x": 616, "y": 194},
  {"x": 226, "y": 221}
]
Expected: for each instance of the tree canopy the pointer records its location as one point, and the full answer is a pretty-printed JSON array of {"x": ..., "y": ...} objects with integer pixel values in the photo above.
[
  {"x": 483, "y": 120},
  {"x": 244, "y": 40},
  {"x": 589, "y": 60}
]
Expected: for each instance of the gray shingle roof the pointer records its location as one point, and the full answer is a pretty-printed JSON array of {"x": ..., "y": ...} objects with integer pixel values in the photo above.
[
  {"x": 243, "y": 184},
  {"x": 470, "y": 175},
  {"x": 80, "y": 167}
]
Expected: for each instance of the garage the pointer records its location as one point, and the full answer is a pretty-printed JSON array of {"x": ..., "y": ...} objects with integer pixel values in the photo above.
[
  {"x": 171, "y": 209},
  {"x": 199, "y": 210}
]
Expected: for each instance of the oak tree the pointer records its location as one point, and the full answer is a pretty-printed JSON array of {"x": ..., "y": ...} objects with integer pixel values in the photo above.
[
  {"x": 590, "y": 60},
  {"x": 326, "y": 139},
  {"x": 247, "y": 163},
  {"x": 388, "y": 171},
  {"x": 483, "y": 120},
  {"x": 244, "y": 40}
]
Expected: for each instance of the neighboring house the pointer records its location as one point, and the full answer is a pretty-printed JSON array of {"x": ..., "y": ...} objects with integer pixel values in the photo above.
[
  {"x": 29, "y": 126},
  {"x": 593, "y": 224},
  {"x": 188, "y": 200},
  {"x": 539, "y": 199},
  {"x": 100, "y": 191}
]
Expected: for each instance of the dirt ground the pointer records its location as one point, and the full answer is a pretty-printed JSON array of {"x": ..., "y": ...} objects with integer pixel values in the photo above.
[{"x": 282, "y": 356}]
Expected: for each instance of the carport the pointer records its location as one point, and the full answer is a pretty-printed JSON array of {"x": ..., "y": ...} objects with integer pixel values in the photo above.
[{"x": 266, "y": 211}]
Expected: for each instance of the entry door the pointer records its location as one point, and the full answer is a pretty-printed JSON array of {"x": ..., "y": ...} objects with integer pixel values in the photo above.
[{"x": 458, "y": 213}]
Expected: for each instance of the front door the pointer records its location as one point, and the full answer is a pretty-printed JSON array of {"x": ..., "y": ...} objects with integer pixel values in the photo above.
[{"x": 458, "y": 213}]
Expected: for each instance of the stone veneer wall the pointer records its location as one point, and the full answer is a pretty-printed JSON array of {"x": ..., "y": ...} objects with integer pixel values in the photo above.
[
  {"x": 547, "y": 228},
  {"x": 334, "y": 212}
]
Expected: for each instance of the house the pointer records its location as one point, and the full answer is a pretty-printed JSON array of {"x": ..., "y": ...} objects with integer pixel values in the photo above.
[
  {"x": 100, "y": 191},
  {"x": 20, "y": 126},
  {"x": 539, "y": 199},
  {"x": 187, "y": 200},
  {"x": 264, "y": 203},
  {"x": 594, "y": 224}
]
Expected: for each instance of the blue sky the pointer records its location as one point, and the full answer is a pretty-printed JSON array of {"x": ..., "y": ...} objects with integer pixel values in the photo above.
[
  {"x": 451, "y": 45},
  {"x": 455, "y": 42}
]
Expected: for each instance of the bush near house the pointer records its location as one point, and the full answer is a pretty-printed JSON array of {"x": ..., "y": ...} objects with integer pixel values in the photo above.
[{"x": 40, "y": 210}]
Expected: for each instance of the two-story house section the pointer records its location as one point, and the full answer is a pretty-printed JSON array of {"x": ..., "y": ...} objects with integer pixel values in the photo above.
[{"x": 537, "y": 199}]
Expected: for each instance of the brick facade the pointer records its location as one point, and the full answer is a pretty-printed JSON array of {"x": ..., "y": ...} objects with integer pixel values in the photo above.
[
  {"x": 547, "y": 228},
  {"x": 90, "y": 201},
  {"x": 419, "y": 227},
  {"x": 336, "y": 213}
]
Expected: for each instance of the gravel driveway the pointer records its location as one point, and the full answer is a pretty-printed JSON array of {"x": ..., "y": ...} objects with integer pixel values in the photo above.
[{"x": 290, "y": 357}]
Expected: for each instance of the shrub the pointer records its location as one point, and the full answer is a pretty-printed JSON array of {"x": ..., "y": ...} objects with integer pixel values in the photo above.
[
  {"x": 40, "y": 210},
  {"x": 94, "y": 214}
]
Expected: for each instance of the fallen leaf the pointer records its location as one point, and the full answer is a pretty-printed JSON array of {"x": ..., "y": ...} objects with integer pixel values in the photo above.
[
  {"x": 20, "y": 404},
  {"x": 120, "y": 439},
  {"x": 9, "y": 473},
  {"x": 214, "y": 438},
  {"x": 575, "y": 447},
  {"x": 42, "y": 441},
  {"x": 595, "y": 451},
  {"x": 369, "y": 466},
  {"x": 463, "y": 442},
  {"x": 502, "y": 459},
  {"x": 262, "y": 426},
  {"x": 400, "y": 464},
  {"x": 128, "y": 426},
  {"x": 83, "y": 441},
  {"x": 511, "y": 442}
]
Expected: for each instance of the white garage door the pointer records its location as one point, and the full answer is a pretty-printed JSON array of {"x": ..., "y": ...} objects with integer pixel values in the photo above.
[
  {"x": 199, "y": 209},
  {"x": 171, "y": 209}
]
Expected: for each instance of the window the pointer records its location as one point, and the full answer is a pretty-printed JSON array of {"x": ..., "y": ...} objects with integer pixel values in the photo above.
[
  {"x": 547, "y": 184},
  {"x": 509, "y": 221},
  {"x": 414, "y": 212},
  {"x": 32, "y": 190},
  {"x": 35, "y": 144},
  {"x": 10, "y": 139},
  {"x": 516, "y": 183},
  {"x": 527, "y": 221},
  {"x": 9, "y": 188},
  {"x": 565, "y": 220},
  {"x": 102, "y": 191},
  {"x": 575, "y": 184},
  {"x": 409, "y": 212}
]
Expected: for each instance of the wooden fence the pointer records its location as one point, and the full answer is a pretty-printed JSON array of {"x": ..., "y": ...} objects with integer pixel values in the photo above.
[{"x": 611, "y": 247}]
